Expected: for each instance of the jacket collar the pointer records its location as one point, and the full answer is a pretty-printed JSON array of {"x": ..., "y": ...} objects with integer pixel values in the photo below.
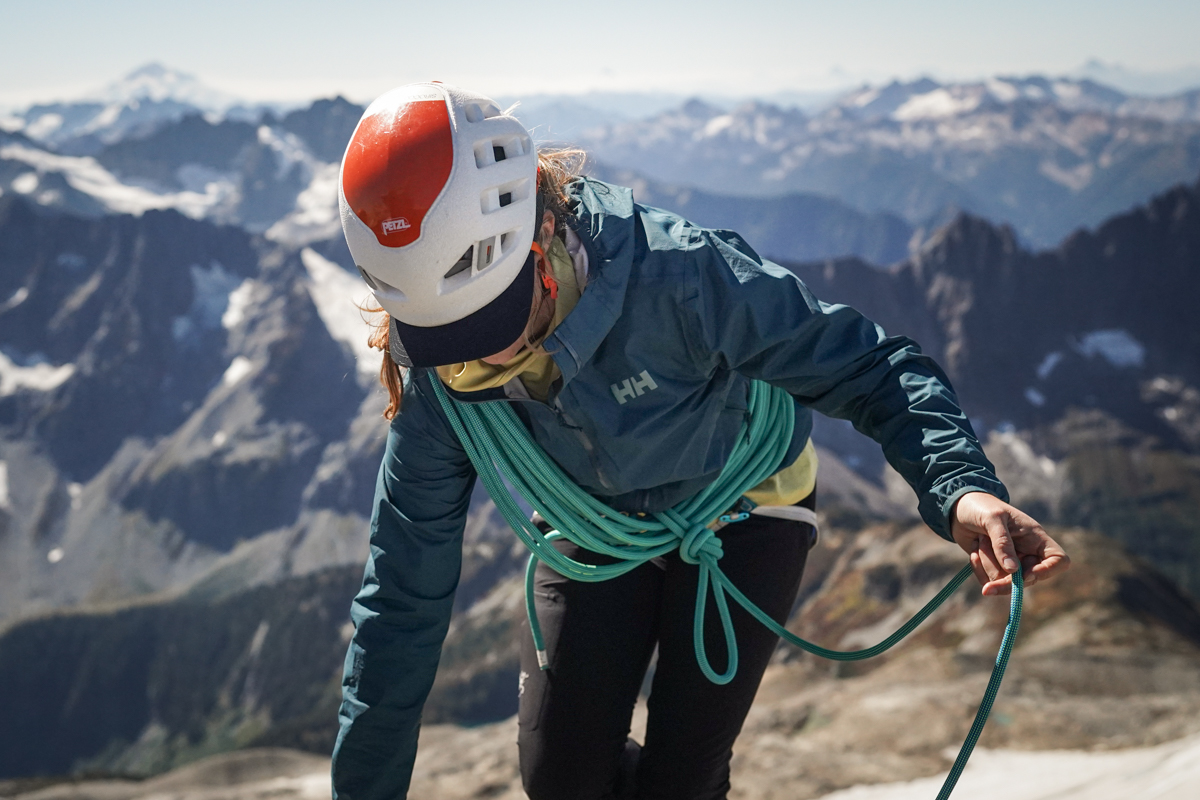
[{"x": 605, "y": 222}]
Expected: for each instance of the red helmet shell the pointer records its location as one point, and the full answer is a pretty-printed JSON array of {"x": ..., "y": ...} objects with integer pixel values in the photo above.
[{"x": 396, "y": 165}]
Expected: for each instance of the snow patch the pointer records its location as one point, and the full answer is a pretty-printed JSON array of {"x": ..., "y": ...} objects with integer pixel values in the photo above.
[
  {"x": 26, "y": 183},
  {"x": 338, "y": 296},
  {"x": 938, "y": 104},
  {"x": 239, "y": 302},
  {"x": 1048, "y": 364},
  {"x": 288, "y": 147},
  {"x": 866, "y": 98},
  {"x": 1066, "y": 90},
  {"x": 39, "y": 377},
  {"x": 1035, "y": 397},
  {"x": 717, "y": 124},
  {"x": 109, "y": 116},
  {"x": 1117, "y": 346},
  {"x": 239, "y": 368},
  {"x": 1003, "y": 91},
  {"x": 212, "y": 287},
  {"x": 88, "y": 176},
  {"x": 18, "y": 297},
  {"x": 55, "y": 555},
  {"x": 1167, "y": 772},
  {"x": 202, "y": 180},
  {"x": 43, "y": 126},
  {"x": 316, "y": 215},
  {"x": 1074, "y": 178},
  {"x": 4, "y": 500},
  {"x": 75, "y": 492}
]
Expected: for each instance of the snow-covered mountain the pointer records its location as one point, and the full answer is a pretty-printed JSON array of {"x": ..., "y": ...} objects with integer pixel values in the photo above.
[
  {"x": 271, "y": 171},
  {"x": 928, "y": 99},
  {"x": 135, "y": 104},
  {"x": 1046, "y": 156}
]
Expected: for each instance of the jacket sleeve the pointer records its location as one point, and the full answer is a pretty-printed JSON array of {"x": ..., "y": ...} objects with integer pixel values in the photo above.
[
  {"x": 757, "y": 318},
  {"x": 402, "y": 612}
]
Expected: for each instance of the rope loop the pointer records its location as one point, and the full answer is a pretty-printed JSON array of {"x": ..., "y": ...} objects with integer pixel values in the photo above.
[
  {"x": 498, "y": 444},
  {"x": 700, "y": 540}
]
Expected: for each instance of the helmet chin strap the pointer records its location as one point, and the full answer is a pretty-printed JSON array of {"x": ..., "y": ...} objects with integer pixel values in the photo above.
[{"x": 547, "y": 277}]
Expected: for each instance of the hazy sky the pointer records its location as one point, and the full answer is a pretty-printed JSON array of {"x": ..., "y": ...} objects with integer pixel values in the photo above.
[{"x": 269, "y": 49}]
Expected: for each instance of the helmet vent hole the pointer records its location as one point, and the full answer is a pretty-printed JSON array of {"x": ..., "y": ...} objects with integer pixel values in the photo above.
[
  {"x": 486, "y": 253},
  {"x": 463, "y": 264},
  {"x": 478, "y": 113},
  {"x": 379, "y": 287},
  {"x": 506, "y": 194},
  {"x": 367, "y": 278},
  {"x": 502, "y": 148}
]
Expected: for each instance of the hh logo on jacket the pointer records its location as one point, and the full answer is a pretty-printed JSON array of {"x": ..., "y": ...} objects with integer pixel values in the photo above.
[{"x": 633, "y": 387}]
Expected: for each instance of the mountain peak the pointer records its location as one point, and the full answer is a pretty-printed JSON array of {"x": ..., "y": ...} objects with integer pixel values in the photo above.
[{"x": 158, "y": 82}]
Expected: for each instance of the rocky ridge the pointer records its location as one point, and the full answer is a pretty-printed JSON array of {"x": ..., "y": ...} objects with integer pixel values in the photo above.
[
  {"x": 1045, "y": 157},
  {"x": 1107, "y": 658}
]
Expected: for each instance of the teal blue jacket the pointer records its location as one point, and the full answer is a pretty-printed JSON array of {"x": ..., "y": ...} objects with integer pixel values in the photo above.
[{"x": 656, "y": 363}]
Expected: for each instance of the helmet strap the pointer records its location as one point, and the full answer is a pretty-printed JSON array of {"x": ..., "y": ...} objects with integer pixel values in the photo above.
[{"x": 547, "y": 278}]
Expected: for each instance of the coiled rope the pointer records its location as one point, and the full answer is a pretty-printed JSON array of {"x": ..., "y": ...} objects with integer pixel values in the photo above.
[{"x": 502, "y": 450}]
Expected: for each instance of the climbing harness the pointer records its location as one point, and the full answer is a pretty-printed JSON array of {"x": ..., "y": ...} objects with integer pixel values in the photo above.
[{"x": 502, "y": 451}]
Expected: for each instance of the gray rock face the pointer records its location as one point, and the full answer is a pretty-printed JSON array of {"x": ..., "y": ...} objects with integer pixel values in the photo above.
[
  {"x": 1087, "y": 348},
  {"x": 174, "y": 388},
  {"x": 1026, "y": 335},
  {"x": 133, "y": 304},
  {"x": 794, "y": 227},
  {"x": 142, "y": 689}
]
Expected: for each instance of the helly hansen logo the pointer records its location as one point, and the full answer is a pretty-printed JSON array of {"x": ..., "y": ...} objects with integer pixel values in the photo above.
[
  {"x": 633, "y": 387},
  {"x": 395, "y": 224}
]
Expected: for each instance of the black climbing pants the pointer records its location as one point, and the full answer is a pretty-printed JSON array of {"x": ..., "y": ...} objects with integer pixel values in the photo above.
[{"x": 575, "y": 717}]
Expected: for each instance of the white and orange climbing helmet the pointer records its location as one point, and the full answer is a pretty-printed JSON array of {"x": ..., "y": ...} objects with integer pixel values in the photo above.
[{"x": 438, "y": 195}]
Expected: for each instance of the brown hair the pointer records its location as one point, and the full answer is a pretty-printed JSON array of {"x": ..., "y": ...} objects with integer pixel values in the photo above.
[{"x": 557, "y": 167}]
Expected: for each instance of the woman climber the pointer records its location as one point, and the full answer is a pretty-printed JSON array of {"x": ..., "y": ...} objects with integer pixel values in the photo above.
[{"x": 631, "y": 345}]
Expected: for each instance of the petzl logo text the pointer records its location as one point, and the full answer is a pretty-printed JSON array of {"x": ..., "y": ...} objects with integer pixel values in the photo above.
[
  {"x": 633, "y": 387},
  {"x": 394, "y": 225}
]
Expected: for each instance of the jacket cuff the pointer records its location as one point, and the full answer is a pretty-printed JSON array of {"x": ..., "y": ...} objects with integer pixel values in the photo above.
[{"x": 936, "y": 512}]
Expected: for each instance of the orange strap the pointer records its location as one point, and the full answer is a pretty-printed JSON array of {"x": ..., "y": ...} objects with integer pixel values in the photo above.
[{"x": 547, "y": 279}]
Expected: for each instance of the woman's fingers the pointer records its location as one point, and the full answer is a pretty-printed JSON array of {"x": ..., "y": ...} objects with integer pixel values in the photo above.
[
  {"x": 996, "y": 578},
  {"x": 1051, "y": 565},
  {"x": 1042, "y": 556},
  {"x": 977, "y": 566},
  {"x": 1002, "y": 539},
  {"x": 996, "y": 525}
]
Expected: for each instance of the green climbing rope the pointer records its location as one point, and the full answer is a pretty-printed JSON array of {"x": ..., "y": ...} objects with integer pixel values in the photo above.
[{"x": 502, "y": 450}]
